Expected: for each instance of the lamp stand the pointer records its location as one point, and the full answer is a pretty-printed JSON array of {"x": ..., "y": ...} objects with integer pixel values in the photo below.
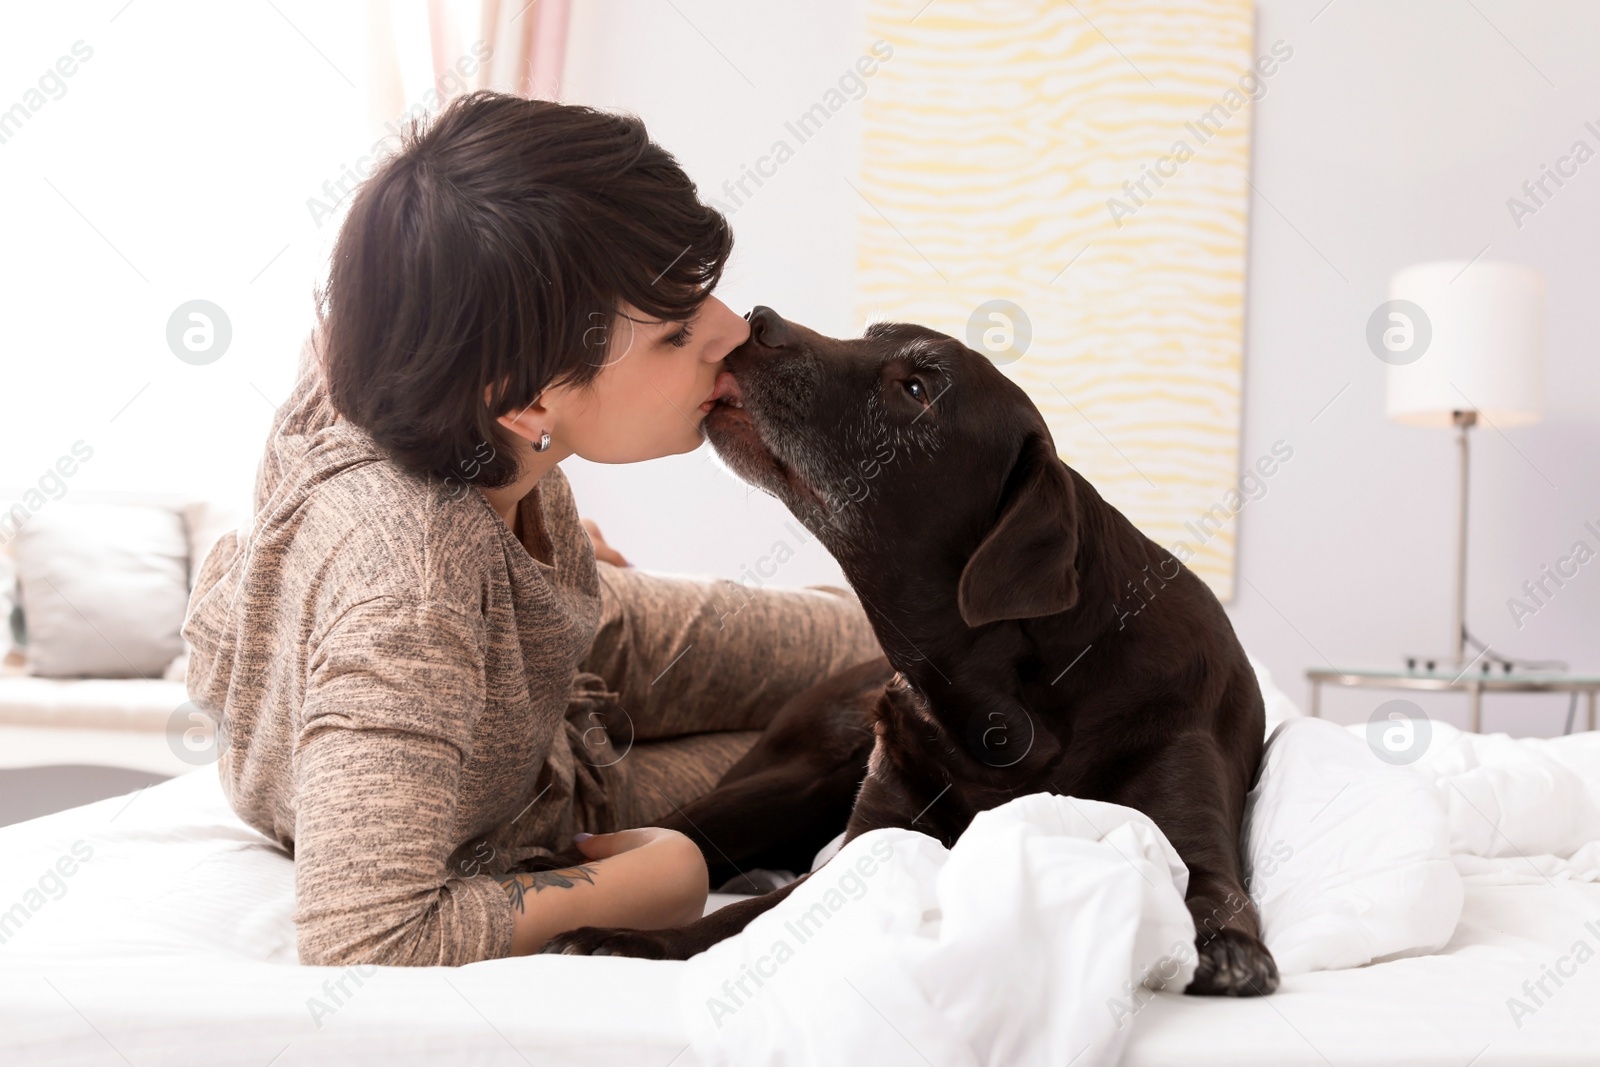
[{"x": 1464, "y": 421}]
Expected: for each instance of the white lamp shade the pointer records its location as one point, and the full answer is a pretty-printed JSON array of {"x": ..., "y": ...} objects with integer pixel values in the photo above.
[{"x": 1486, "y": 352}]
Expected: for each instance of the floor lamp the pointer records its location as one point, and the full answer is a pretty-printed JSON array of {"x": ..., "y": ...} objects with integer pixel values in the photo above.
[{"x": 1475, "y": 332}]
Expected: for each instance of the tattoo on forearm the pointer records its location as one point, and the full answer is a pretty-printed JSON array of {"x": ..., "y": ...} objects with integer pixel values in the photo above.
[{"x": 517, "y": 885}]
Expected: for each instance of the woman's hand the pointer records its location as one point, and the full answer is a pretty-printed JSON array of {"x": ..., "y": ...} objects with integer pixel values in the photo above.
[
  {"x": 602, "y": 550},
  {"x": 671, "y": 866},
  {"x": 645, "y": 879}
]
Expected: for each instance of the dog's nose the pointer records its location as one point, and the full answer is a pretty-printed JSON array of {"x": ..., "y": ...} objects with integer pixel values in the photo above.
[{"x": 768, "y": 328}]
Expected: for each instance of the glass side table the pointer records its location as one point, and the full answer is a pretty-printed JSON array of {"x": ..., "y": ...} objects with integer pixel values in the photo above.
[{"x": 1473, "y": 683}]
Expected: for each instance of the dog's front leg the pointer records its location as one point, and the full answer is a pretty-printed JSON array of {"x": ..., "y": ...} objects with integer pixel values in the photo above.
[
  {"x": 888, "y": 801},
  {"x": 908, "y": 786}
]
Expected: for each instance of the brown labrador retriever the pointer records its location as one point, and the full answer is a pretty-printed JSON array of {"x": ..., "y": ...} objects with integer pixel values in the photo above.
[{"x": 1035, "y": 640}]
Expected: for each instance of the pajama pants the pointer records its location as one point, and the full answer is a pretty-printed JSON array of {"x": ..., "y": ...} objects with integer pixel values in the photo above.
[{"x": 685, "y": 673}]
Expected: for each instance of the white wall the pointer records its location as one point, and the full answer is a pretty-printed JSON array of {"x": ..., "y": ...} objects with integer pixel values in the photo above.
[
  {"x": 1394, "y": 136},
  {"x": 176, "y": 164}
]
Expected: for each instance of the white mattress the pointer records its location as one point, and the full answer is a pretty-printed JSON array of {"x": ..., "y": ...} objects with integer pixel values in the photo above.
[
  {"x": 1448, "y": 1010},
  {"x": 172, "y": 943}
]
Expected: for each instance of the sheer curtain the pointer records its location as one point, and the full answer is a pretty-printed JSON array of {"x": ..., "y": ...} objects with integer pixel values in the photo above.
[{"x": 424, "y": 52}]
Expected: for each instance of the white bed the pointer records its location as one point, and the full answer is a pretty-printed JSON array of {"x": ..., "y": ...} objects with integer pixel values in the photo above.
[{"x": 172, "y": 943}]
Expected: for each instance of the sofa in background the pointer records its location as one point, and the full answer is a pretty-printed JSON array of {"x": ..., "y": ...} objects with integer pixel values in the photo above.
[{"x": 93, "y": 590}]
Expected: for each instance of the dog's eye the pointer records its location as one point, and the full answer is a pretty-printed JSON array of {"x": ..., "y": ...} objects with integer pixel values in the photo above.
[{"x": 916, "y": 390}]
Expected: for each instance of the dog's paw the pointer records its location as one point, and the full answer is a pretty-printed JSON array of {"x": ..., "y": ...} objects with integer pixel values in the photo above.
[
  {"x": 607, "y": 941},
  {"x": 900, "y": 700},
  {"x": 1234, "y": 964}
]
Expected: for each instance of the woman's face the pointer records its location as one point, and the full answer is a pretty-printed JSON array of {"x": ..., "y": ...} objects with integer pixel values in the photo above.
[{"x": 646, "y": 400}]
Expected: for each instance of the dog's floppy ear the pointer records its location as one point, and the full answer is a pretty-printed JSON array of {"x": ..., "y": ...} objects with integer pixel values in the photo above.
[{"x": 1025, "y": 566}]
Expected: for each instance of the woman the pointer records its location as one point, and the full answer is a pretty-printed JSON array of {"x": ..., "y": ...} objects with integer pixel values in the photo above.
[{"x": 423, "y": 674}]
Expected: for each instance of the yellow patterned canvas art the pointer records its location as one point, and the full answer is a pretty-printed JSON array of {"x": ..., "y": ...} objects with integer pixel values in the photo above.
[{"x": 1067, "y": 184}]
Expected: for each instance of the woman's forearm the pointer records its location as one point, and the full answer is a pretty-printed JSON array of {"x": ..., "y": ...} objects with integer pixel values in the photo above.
[{"x": 659, "y": 883}]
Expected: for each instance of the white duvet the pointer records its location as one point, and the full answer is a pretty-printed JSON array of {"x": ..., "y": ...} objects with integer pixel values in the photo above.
[
  {"x": 156, "y": 928},
  {"x": 1031, "y": 941},
  {"x": 1006, "y": 949}
]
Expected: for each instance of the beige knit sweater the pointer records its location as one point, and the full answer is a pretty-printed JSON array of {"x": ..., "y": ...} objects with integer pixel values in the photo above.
[{"x": 392, "y": 669}]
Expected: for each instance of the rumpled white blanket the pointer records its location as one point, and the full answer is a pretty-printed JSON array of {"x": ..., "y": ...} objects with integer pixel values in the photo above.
[
  {"x": 1032, "y": 941},
  {"x": 1354, "y": 859},
  {"x": 1522, "y": 810},
  {"x": 1347, "y": 856},
  {"x": 1029, "y": 943}
]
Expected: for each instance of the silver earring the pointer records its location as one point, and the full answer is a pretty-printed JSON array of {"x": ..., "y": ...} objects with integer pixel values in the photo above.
[{"x": 544, "y": 442}]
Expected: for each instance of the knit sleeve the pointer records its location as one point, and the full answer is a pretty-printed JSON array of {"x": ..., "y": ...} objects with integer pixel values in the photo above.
[{"x": 392, "y": 693}]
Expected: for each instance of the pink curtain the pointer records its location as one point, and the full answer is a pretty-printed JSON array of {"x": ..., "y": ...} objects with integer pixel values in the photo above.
[{"x": 425, "y": 52}]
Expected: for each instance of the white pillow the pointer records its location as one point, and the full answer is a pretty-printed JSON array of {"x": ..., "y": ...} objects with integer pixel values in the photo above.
[
  {"x": 1347, "y": 857},
  {"x": 205, "y": 521},
  {"x": 104, "y": 589}
]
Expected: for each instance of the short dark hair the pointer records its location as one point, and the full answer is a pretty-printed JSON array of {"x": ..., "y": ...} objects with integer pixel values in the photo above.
[{"x": 493, "y": 250}]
